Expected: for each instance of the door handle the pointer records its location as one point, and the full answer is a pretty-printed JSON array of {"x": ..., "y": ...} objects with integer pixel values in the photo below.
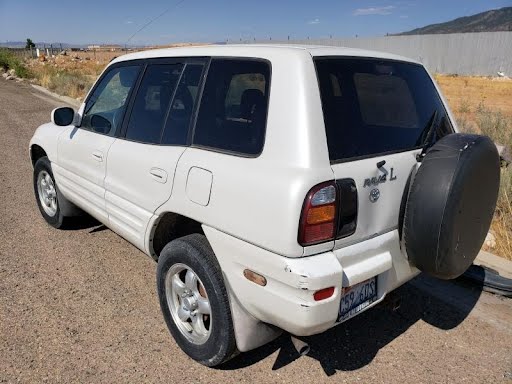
[
  {"x": 98, "y": 156},
  {"x": 158, "y": 174}
]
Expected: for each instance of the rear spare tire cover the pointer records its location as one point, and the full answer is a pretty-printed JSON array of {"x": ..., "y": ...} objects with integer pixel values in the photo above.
[{"x": 451, "y": 203}]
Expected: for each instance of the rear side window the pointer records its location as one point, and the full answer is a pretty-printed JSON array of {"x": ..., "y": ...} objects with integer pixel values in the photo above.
[
  {"x": 152, "y": 102},
  {"x": 376, "y": 106},
  {"x": 233, "y": 111},
  {"x": 182, "y": 107}
]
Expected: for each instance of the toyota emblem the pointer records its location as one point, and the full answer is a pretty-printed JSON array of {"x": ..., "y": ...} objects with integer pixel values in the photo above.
[{"x": 374, "y": 195}]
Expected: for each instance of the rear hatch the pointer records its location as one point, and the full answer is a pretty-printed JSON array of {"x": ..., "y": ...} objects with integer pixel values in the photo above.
[{"x": 378, "y": 115}]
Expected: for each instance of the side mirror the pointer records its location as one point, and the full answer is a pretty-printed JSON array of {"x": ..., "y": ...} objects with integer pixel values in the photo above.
[
  {"x": 63, "y": 116},
  {"x": 100, "y": 124}
]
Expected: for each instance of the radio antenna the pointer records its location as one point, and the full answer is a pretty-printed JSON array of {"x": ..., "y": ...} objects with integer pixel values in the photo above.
[{"x": 154, "y": 19}]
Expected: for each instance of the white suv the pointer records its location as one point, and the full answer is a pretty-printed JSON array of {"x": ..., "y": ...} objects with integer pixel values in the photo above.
[{"x": 279, "y": 188}]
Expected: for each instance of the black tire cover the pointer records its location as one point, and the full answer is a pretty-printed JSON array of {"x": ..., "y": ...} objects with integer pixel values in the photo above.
[{"x": 451, "y": 203}]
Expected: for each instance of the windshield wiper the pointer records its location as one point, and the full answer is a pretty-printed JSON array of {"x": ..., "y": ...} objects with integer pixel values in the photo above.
[{"x": 430, "y": 129}]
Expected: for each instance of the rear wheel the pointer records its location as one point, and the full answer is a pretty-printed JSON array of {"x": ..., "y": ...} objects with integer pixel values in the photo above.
[{"x": 194, "y": 300}]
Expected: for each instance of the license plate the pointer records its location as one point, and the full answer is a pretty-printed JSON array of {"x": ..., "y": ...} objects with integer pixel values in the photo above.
[{"x": 356, "y": 298}]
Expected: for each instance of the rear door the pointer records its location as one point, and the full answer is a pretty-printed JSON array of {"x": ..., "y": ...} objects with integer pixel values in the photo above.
[
  {"x": 142, "y": 162},
  {"x": 377, "y": 114}
]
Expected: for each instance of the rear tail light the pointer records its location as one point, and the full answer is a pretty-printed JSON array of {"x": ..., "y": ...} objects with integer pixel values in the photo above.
[{"x": 318, "y": 219}]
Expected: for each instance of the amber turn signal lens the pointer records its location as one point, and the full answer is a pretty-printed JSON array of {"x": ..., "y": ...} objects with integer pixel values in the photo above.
[
  {"x": 323, "y": 294},
  {"x": 321, "y": 214},
  {"x": 256, "y": 278}
]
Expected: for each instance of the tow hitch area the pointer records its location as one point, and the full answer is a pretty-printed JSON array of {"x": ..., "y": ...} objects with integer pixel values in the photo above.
[{"x": 392, "y": 301}]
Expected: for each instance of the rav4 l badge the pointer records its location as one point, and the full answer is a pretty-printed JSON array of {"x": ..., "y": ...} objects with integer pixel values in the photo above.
[{"x": 374, "y": 181}]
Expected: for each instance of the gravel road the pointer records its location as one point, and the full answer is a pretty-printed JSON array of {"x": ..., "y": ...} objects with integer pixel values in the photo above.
[{"x": 81, "y": 306}]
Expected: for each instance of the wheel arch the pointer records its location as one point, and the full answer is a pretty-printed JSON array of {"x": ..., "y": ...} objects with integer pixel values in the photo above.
[
  {"x": 36, "y": 152},
  {"x": 169, "y": 226},
  {"x": 45, "y": 140}
]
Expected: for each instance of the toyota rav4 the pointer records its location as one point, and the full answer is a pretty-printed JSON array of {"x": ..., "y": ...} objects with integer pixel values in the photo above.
[{"x": 279, "y": 188}]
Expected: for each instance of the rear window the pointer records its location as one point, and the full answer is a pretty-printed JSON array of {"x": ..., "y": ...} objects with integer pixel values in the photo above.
[{"x": 375, "y": 106}]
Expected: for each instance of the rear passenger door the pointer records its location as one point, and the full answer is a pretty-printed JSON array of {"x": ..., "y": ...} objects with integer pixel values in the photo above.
[
  {"x": 142, "y": 162},
  {"x": 228, "y": 134}
]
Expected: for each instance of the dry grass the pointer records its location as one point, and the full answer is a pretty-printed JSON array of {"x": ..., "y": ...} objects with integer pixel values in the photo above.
[
  {"x": 66, "y": 75},
  {"x": 465, "y": 91},
  {"x": 484, "y": 106}
]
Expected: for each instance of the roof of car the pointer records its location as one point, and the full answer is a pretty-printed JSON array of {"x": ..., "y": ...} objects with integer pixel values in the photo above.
[{"x": 259, "y": 51}]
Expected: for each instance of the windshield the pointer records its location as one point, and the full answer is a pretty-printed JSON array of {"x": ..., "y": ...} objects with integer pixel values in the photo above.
[{"x": 374, "y": 106}]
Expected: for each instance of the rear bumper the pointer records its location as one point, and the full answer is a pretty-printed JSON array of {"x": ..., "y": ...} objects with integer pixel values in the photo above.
[{"x": 287, "y": 300}]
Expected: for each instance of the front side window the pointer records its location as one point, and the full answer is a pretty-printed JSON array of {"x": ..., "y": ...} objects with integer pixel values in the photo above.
[
  {"x": 152, "y": 102},
  {"x": 233, "y": 111},
  {"x": 105, "y": 108}
]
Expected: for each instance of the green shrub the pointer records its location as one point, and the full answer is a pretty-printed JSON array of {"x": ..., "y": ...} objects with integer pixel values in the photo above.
[
  {"x": 9, "y": 61},
  {"x": 4, "y": 59}
]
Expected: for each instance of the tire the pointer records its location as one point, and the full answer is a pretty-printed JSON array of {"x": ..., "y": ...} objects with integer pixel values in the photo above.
[
  {"x": 212, "y": 341},
  {"x": 54, "y": 214},
  {"x": 451, "y": 204}
]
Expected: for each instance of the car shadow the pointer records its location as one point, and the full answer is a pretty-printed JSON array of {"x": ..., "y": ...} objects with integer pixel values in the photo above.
[
  {"x": 355, "y": 343},
  {"x": 83, "y": 222}
]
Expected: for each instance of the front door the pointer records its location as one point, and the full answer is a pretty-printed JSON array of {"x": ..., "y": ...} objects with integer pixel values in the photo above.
[{"x": 82, "y": 151}]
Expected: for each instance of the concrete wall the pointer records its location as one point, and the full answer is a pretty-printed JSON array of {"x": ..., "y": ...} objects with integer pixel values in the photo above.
[{"x": 483, "y": 53}]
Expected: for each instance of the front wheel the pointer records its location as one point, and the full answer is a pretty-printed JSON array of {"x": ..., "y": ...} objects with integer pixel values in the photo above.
[
  {"x": 194, "y": 300},
  {"x": 45, "y": 190}
]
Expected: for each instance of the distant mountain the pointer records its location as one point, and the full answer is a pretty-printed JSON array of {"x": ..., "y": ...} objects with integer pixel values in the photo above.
[
  {"x": 21, "y": 44},
  {"x": 40, "y": 44},
  {"x": 489, "y": 21},
  {"x": 13, "y": 44}
]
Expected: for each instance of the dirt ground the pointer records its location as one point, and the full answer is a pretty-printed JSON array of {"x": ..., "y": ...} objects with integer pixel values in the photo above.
[{"x": 80, "y": 306}]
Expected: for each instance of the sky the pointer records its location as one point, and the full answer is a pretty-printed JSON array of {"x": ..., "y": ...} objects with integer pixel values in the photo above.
[{"x": 114, "y": 22}]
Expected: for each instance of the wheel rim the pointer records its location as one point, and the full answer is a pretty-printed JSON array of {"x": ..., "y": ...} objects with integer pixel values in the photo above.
[
  {"x": 47, "y": 193},
  {"x": 188, "y": 303}
]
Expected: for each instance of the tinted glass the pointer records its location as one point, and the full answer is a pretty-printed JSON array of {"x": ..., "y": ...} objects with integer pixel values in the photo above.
[
  {"x": 233, "y": 111},
  {"x": 152, "y": 102},
  {"x": 105, "y": 108},
  {"x": 375, "y": 106},
  {"x": 182, "y": 107}
]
